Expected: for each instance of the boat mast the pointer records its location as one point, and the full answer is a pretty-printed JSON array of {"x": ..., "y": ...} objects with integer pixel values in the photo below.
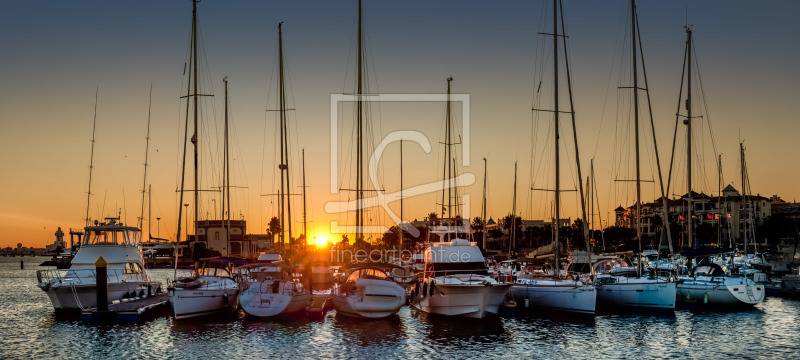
[
  {"x": 195, "y": 137},
  {"x": 185, "y": 140},
  {"x": 636, "y": 131},
  {"x": 91, "y": 158},
  {"x": 743, "y": 205},
  {"x": 359, "y": 140},
  {"x": 585, "y": 228},
  {"x": 688, "y": 123},
  {"x": 483, "y": 208},
  {"x": 226, "y": 188},
  {"x": 149, "y": 210},
  {"x": 305, "y": 222},
  {"x": 286, "y": 208},
  {"x": 555, "y": 133},
  {"x": 146, "y": 152},
  {"x": 447, "y": 171},
  {"x": 514, "y": 213},
  {"x": 400, "y": 225},
  {"x": 719, "y": 200}
]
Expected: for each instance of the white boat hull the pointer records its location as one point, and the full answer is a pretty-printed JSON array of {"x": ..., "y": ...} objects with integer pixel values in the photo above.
[
  {"x": 721, "y": 291},
  {"x": 642, "y": 293},
  {"x": 75, "y": 297},
  {"x": 473, "y": 301},
  {"x": 215, "y": 296},
  {"x": 258, "y": 303},
  {"x": 548, "y": 295},
  {"x": 371, "y": 299}
]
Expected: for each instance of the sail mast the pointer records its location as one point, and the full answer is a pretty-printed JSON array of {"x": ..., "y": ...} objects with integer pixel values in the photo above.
[
  {"x": 226, "y": 195},
  {"x": 483, "y": 208},
  {"x": 688, "y": 123},
  {"x": 555, "y": 131},
  {"x": 305, "y": 222},
  {"x": 400, "y": 225},
  {"x": 447, "y": 174},
  {"x": 91, "y": 157},
  {"x": 146, "y": 152},
  {"x": 636, "y": 131},
  {"x": 585, "y": 229},
  {"x": 195, "y": 138},
  {"x": 514, "y": 214},
  {"x": 359, "y": 140}
]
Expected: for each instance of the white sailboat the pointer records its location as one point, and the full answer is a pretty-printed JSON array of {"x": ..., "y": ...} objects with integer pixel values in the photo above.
[
  {"x": 273, "y": 291},
  {"x": 368, "y": 292},
  {"x": 549, "y": 290},
  {"x": 211, "y": 288},
  {"x": 637, "y": 290},
  {"x": 76, "y": 288}
]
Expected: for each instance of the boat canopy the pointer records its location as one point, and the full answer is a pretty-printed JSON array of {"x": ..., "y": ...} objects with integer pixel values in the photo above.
[{"x": 112, "y": 233}]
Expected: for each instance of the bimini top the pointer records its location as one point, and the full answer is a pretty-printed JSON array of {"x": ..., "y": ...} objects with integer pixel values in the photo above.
[
  {"x": 456, "y": 251},
  {"x": 111, "y": 233},
  {"x": 269, "y": 257}
]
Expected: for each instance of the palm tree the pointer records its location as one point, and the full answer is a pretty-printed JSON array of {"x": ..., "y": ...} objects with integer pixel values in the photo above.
[
  {"x": 273, "y": 228},
  {"x": 432, "y": 217}
]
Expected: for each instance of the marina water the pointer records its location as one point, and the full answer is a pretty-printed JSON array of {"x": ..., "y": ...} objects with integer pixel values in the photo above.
[{"x": 29, "y": 329}]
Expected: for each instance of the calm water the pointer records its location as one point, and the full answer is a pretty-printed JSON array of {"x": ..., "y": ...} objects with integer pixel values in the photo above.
[{"x": 29, "y": 329}]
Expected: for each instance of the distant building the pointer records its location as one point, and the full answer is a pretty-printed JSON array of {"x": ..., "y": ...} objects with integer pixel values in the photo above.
[{"x": 732, "y": 211}]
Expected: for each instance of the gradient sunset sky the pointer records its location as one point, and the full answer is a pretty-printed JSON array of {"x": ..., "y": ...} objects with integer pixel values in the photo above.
[{"x": 55, "y": 54}]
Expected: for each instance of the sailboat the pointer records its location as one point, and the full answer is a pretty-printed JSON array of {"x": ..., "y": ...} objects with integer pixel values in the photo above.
[
  {"x": 211, "y": 289},
  {"x": 456, "y": 281},
  {"x": 368, "y": 291},
  {"x": 708, "y": 283},
  {"x": 274, "y": 291},
  {"x": 545, "y": 289},
  {"x": 632, "y": 288}
]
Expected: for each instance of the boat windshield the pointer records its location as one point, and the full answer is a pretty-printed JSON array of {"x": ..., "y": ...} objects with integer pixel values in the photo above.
[
  {"x": 367, "y": 274},
  {"x": 111, "y": 237},
  {"x": 210, "y": 271}
]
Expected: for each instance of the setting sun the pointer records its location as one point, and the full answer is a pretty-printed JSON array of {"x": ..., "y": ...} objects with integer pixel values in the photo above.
[{"x": 320, "y": 241}]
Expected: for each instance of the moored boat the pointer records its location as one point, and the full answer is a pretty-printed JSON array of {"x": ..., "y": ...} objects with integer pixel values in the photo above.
[
  {"x": 118, "y": 245},
  {"x": 368, "y": 292}
]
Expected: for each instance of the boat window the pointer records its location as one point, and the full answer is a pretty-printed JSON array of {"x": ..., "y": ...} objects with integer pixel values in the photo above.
[{"x": 132, "y": 268}]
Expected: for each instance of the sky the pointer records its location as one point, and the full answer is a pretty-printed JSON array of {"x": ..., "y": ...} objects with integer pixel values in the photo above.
[{"x": 55, "y": 55}]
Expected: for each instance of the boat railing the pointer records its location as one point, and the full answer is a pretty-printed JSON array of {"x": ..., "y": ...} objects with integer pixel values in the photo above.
[{"x": 86, "y": 276}]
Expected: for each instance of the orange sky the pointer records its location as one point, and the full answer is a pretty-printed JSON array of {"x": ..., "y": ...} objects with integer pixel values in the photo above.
[{"x": 55, "y": 57}]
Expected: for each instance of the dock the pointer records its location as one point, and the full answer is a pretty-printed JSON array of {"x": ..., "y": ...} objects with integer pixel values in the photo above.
[
  {"x": 319, "y": 307},
  {"x": 127, "y": 310}
]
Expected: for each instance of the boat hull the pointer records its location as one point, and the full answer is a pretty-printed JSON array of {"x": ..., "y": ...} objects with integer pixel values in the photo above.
[
  {"x": 260, "y": 304},
  {"x": 217, "y": 295},
  {"x": 548, "y": 295},
  {"x": 75, "y": 297},
  {"x": 721, "y": 291},
  {"x": 473, "y": 301},
  {"x": 372, "y": 299},
  {"x": 637, "y": 293}
]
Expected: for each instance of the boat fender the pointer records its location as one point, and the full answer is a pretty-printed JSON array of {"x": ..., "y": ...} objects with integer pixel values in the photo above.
[
  {"x": 225, "y": 298},
  {"x": 412, "y": 297},
  {"x": 705, "y": 298},
  {"x": 433, "y": 284},
  {"x": 424, "y": 289}
]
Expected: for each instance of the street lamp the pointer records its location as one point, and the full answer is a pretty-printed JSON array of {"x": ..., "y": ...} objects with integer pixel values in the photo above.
[{"x": 159, "y": 227}]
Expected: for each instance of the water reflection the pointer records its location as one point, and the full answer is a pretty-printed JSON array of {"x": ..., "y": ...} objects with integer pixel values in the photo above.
[{"x": 30, "y": 329}]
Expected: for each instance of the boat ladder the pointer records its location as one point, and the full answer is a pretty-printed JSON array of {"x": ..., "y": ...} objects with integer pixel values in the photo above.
[{"x": 749, "y": 291}]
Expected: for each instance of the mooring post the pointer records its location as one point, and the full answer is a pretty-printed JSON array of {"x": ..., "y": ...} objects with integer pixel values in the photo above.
[
  {"x": 22, "y": 265},
  {"x": 102, "y": 284}
]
